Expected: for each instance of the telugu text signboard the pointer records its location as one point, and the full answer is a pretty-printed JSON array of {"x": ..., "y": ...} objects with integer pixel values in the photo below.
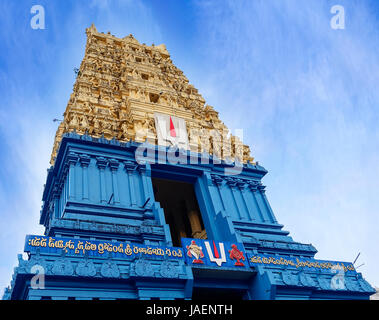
[
  {"x": 96, "y": 248},
  {"x": 195, "y": 252},
  {"x": 306, "y": 264}
]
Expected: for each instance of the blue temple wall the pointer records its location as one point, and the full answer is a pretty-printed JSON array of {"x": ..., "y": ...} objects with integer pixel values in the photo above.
[
  {"x": 102, "y": 278},
  {"x": 96, "y": 190}
]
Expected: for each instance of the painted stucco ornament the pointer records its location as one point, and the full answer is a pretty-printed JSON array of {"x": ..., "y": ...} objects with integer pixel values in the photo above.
[
  {"x": 144, "y": 268},
  {"x": 193, "y": 250},
  {"x": 62, "y": 267},
  {"x": 169, "y": 270},
  {"x": 289, "y": 278},
  {"x": 86, "y": 269},
  {"x": 236, "y": 254},
  {"x": 110, "y": 270}
]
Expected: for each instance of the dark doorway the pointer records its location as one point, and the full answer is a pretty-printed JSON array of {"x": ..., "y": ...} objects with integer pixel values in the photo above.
[
  {"x": 200, "y": 293},
  {"x": 181, "y": 209}
]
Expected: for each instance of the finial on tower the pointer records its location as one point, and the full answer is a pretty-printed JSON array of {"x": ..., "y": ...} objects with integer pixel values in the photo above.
[{"x": 91, "y": 29}]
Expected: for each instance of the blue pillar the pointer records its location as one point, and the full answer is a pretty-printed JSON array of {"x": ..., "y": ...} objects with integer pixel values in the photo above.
[
  {"x": 114, "y": 164},
  {"x": 101, "y": 164},
  {"x": 85, "y": 161}
]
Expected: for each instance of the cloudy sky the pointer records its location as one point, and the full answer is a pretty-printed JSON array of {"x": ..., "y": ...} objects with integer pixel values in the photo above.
[{"x": 305, "y": 95}]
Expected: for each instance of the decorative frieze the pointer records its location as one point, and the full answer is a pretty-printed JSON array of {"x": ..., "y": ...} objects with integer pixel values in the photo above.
[
  {"x": 109, "y": 269},
  {"x": 144, "y": 268},
  {"x": 86, "y": 268}
]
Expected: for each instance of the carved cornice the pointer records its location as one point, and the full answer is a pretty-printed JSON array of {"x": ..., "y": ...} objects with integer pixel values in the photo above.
[
  {"x": 261, "y": 188},
  {"x": 253, "y": 185},
  {"x": 101, "y": 162},
  {"x": 142, "y": 168},
  {"x": 85, "y": 160},
  {"x": 114, "y": 164},
  {"x": 242, "y": 184},
  {"x": 99, "y": 227},
  {"x": 231, "y": 182},
  {"x": 72, "y": 158},
  {"x": 217, "y": 180},
  {"x": 130, "y": 166}
]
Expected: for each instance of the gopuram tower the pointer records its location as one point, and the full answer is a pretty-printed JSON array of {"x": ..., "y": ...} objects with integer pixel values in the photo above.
[{"x": 149, "y": 196}]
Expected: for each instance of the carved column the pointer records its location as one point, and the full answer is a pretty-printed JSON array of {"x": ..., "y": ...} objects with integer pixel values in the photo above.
[
  {"x": 194, "y": 219},
  {"x": 232, "y": 183},
  {"x": 114, "y": 164},
  {"x": 55, "y": 199},
  {"x": 218, "y": 181},
  {"x": 85, "y": 161},
  {"x": 130, "y": 168},
  {"x": 179, "y": 223},
  {"x": 72, "y": 159},
  {"x": 101, "y": 164},
  {"x": 253, "y": 185},
  {"x": 242, "y": 184},
  {"x": 142, "y": 170},
  {"x": 270, "y": 214}
]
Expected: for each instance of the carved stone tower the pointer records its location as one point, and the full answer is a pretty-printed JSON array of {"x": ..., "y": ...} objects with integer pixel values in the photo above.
[{"x": 121, "y": 84}]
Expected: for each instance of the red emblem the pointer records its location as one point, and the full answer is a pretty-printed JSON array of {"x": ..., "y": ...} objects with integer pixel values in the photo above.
[
  {"x": 237, "y": 255},
  {"x": 172, "y": 129},
  {"x": 194, "y": 251}
]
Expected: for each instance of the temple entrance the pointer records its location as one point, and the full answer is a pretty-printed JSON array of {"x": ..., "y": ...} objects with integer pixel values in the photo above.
[
  {"x": 181, "y": 209},
  {"x": 221, "y": 284},
  {"x": 219, "y": 294}
]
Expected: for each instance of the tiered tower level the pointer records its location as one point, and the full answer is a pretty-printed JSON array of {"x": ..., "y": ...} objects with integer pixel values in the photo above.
[
  {"x": 121, "y": 84},
  {"x": 120, "y": 228}
]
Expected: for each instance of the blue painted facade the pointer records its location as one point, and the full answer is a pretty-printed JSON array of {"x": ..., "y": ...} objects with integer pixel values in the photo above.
[{"x": 97, "y": 191}]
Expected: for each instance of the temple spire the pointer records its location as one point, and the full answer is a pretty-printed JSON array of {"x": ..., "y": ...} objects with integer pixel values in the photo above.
[{"x": 121, "y": 84}]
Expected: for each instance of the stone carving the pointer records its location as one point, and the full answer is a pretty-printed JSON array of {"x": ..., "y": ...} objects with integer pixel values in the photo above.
[
  {"x": 62, "y": 267},
  {"x": 36, "y": 260},
  {"x": 110, "y": 270},
  {"x": 22, "y": 265},
  {"x": 351, "y": 284},
  {"x": 290, "y": 278},
  {"x": 119, "y": 86},
  {"x": 169, "y": 270},
  {"x": 85, "y": 269},
  {"x": 324, "y": 283},
  {"x": 217, "y": 179},
  {"x": 144, "y": 268},
  {"x": 307, "y": 280}
]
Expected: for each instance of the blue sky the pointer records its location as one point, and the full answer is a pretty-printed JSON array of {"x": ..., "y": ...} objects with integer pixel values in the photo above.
[{"x": 305, "y": 95}]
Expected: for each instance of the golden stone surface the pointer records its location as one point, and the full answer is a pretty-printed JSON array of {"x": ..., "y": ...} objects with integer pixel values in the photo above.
[{"x": 122, "y": 83}]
